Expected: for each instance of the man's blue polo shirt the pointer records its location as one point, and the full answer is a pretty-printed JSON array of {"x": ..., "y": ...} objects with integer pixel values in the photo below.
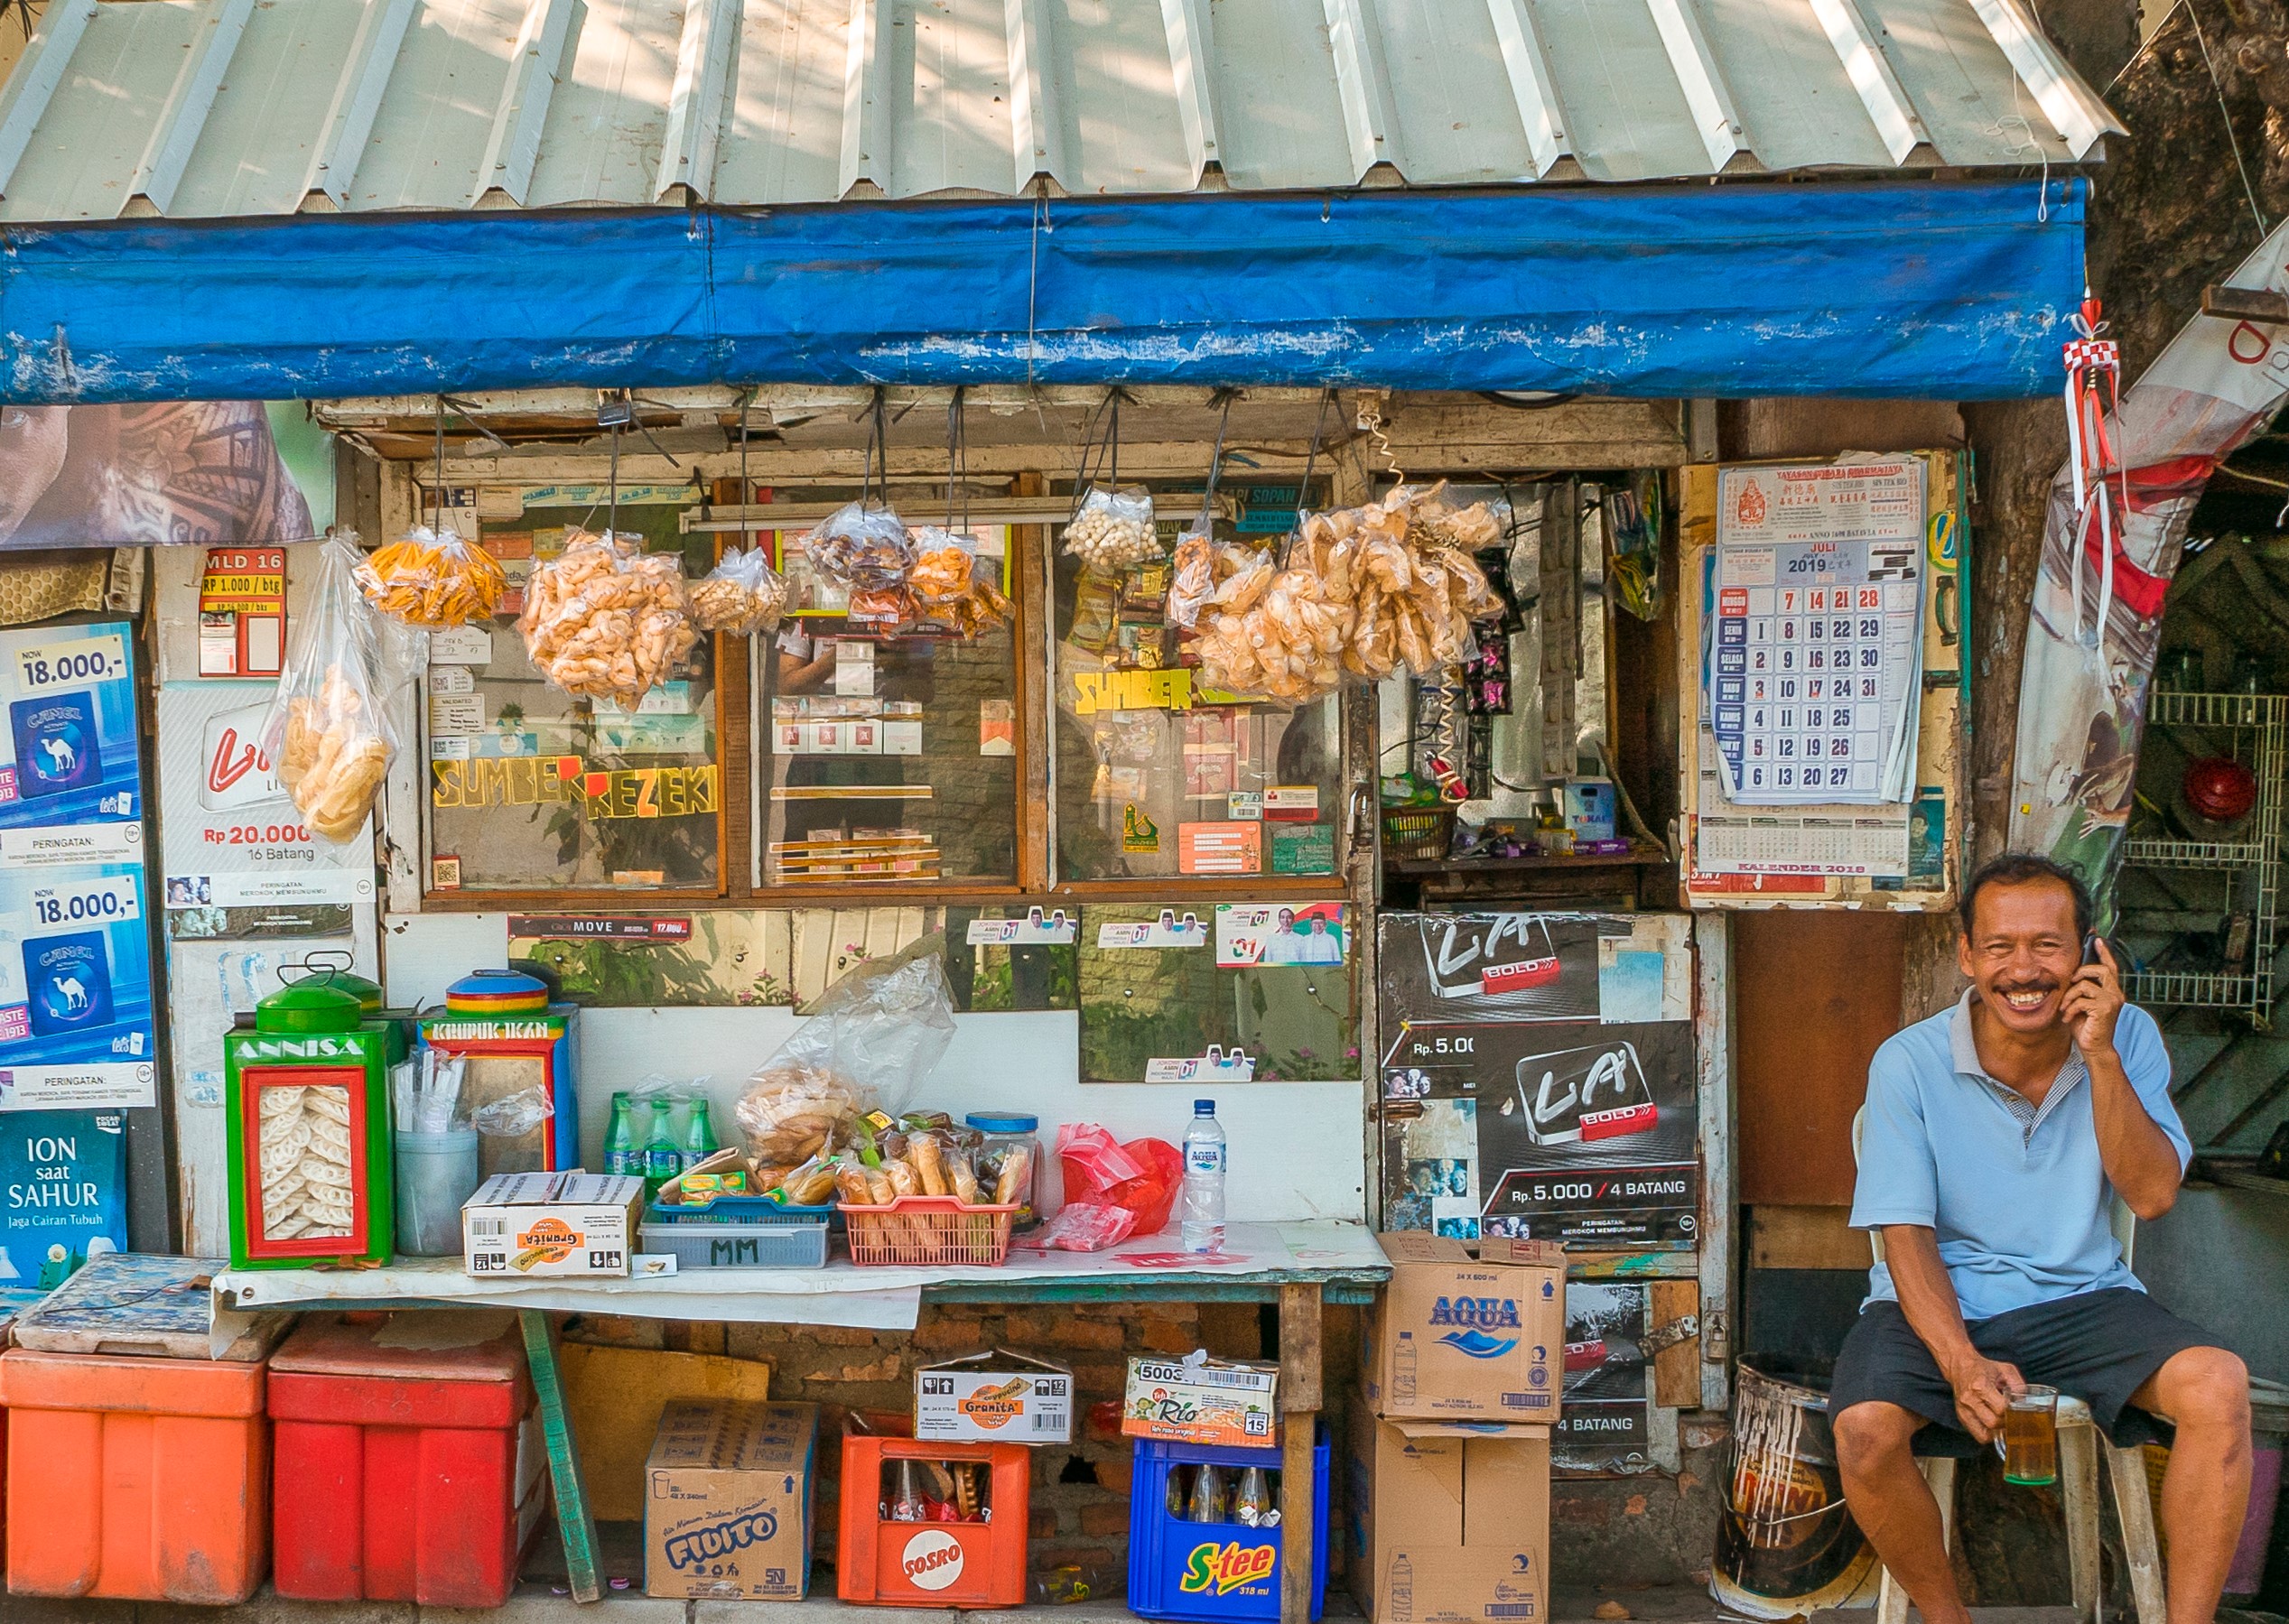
[{"x": 2018, "y": 1196}]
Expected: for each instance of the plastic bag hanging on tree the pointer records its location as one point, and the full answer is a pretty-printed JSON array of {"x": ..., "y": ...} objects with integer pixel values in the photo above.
[{"x": 328, "y": 728}]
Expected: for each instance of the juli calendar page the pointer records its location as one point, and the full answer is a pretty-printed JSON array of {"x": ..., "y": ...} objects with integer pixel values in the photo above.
[{"x": 1813, "y": 653}]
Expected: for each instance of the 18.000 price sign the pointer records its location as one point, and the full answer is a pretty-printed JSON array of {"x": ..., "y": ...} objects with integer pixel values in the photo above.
[
  {"x": 70, "y": 664},
  {"x": 112, "y": 900}
]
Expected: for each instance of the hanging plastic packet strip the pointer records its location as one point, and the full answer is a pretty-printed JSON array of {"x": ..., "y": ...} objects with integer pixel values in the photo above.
[
  {"x": 741, "y": 595},
  {"x": 327, "y": 726},
  {"x": 433, "y": 580},
  {"x": 604, "y": 620}
]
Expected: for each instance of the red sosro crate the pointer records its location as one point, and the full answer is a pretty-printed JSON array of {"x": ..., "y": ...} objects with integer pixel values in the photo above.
[
  {"x": 976, "y": 1562},
  {"x": 397, "y": 1462}
]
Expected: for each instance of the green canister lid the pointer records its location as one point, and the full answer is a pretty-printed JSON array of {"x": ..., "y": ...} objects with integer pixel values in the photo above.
[{"x": 316, "y": 1005}]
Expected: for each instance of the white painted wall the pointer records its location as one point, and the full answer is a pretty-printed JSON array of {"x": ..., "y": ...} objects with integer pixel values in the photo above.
[{"x": 1296, "y": 1148}]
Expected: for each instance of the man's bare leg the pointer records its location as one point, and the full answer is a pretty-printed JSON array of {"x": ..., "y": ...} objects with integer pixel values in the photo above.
[
  {"x": 2205, "y": 1495},
  {"x": 1894, "y": 1508}
]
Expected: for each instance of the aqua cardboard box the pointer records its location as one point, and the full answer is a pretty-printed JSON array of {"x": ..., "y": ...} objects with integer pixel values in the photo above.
[{"x": 1459, "y": 1335}]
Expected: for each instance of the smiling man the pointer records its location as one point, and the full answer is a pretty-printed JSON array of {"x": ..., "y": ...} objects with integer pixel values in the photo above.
[{"x": 1997, "y": 1136}]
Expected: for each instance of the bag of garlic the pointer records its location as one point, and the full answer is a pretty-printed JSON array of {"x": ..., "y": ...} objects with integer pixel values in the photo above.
[
  {"x": 1112, "y": 530},
  {"x": 328, "y": 728}
]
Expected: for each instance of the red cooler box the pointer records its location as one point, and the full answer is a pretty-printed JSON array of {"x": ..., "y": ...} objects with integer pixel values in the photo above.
[{"x": 398, "y": 1468}]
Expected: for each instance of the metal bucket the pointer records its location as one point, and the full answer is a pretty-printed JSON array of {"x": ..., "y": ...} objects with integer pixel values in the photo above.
[{"x": 1785, "y": 1543}]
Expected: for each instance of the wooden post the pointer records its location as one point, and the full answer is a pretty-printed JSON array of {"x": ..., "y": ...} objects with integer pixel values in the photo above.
[
  {"x": 1299, "y": 1386},
  {"x": 574, "y": 1517}
]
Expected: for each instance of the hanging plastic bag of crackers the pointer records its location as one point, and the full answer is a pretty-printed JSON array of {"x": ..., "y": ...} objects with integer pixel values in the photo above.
[{"x": 328, "y": 728}]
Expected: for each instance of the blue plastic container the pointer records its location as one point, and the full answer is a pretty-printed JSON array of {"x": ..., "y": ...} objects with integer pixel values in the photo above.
[{"x": 1212, "y": 1571}]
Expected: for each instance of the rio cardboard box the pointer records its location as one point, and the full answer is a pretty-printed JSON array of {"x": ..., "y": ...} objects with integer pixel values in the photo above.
[
  {"x": 1451, "y": 1527},
  {"x": 727, "y": 1500},
  {"x": 551, "y": 1224},
  {"x": 996, "y": 1397},
  {"x": 1201, "y": 1400},
  {"x": 1458, "y": 1336}
]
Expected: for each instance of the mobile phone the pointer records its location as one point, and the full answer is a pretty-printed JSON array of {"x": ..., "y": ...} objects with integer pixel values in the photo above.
[{"x": 2091, "y": 947}]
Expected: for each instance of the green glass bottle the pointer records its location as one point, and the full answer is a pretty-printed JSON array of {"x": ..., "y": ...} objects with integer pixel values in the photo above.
[
  {"x": 699, "y": 1136},
  {"x": 623, "y": 1151},
  {"x": 662, "y": 1159}
]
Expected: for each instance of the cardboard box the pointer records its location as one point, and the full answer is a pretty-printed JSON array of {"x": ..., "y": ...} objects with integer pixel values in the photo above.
[
  {"x": 996, "y": 1397},
  {"x": 551, "y": 1224},
  {"x": 727, "y": 1500},
  {"x": 1458, "y": 1336},
  {"x": 1450, "y": 1526},
  {"x": 1201, "y": 1400}
]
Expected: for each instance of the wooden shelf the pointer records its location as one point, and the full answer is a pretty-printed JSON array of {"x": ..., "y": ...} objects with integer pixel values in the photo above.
[{"x": 1640, "y": 854}]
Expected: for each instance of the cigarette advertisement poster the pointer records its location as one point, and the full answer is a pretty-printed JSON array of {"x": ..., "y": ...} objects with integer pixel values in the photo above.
[
  {"x": 1604, "y": 1421},
  {"x": 75, "y": 957},
  {"x": 1560, "y": 1105},
  {"x": 252, "y": 899}
]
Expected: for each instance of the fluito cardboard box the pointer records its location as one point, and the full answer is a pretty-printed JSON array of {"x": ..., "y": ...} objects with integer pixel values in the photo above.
[
  {"x": 727, "y": 1500},
  {"x": 1450, "y": 1525},
  {"x": 998, "y": 1397},
  {"x": 1458, "y": 1336}
]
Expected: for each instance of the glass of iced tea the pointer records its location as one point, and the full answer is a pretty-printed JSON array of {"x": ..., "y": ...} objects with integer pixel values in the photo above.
[{"x": 2029, "y": 1441}]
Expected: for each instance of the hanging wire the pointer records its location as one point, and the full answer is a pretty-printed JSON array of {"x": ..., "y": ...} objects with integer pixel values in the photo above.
[
  {"x": 957, "y": 461},
  {"x": 2226, "y": 113},
  {"x": 878, "y": 451},
  {"x": 437, "y": 488},
  {"x": 612, "y": 511},
  {"x": 747, "y": 489},
  {"x": 1215, "y": 469},
  {"x": 1303, "y": 490}
]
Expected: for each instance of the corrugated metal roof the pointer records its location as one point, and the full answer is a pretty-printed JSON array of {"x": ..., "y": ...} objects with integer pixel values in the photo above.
[{"x": 212, "y": 109}]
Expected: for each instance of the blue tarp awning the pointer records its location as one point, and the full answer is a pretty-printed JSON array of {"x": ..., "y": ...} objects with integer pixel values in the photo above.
[{"x": 1935, "y": 290}]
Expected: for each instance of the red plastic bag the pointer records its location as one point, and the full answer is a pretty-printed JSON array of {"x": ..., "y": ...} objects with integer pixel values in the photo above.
[{"x": 1105, "y": 1181}]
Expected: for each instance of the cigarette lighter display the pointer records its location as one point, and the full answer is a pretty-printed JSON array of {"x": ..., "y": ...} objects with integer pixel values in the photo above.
[{"x": 308, "y": 1144}]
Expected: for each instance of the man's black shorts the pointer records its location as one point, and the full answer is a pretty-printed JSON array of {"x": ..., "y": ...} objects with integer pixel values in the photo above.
[{"x": 2100, "y": 1347}]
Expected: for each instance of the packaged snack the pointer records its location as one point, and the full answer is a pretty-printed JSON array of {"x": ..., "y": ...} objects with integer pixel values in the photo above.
[
  {"x": 327, "y": 728},
  {"x": 870, "y": 1041},
  {"x": 1112, "y": 529},
  {"x": 861, "y": 547},
  {"x": 741, "y": 595},
  {"x": 604, "y": 620},
  {"x": 947, "y": 587},
  {"x": 432, "y": 581},
  {"x": 1194, "y": 581}
]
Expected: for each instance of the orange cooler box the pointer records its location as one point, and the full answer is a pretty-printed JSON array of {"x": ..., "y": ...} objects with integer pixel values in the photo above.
[
  {"x": 932, "y": 1563},
  {"x": 143, "y": 1478}
]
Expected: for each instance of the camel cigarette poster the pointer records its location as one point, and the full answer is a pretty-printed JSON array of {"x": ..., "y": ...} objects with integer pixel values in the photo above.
[{"x": 75, "y": 956}]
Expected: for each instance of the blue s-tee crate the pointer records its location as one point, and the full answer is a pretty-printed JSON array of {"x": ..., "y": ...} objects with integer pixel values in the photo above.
[{"x": 1212, "y": 1572}]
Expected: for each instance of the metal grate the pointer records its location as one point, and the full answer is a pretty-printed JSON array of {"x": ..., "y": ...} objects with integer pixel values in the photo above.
[{"x": 2252, "y": 727}]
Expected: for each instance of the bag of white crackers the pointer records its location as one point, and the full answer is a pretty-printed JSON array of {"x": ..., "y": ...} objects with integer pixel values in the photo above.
[{"x": 328, "y": 728}]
